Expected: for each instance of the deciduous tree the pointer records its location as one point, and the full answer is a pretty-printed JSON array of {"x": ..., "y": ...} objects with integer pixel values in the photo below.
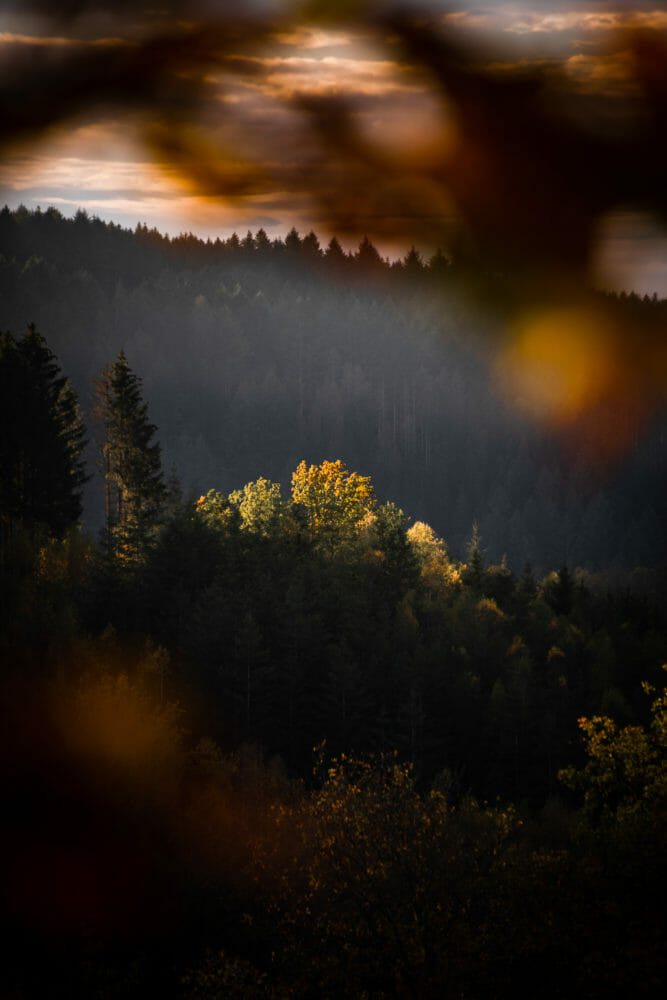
[
  {"x": 260, "y": 505},
  {"x": 335, "y": 501}
]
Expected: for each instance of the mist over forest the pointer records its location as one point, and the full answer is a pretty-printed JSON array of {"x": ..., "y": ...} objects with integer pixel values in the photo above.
[
  {"x": 258, "y": 353},
  {"x": 327, "y": 670}
]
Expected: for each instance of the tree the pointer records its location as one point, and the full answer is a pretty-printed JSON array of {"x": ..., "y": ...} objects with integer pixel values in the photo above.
[
  {"x": 413, "y": 263},
  {"x": 42, "y": 438},
  {"x": 335, "y": 501},
  {"x": 336, "y": 258},
  {"x": 260, "y": 506},
  {"x": 440, "y": 575},
  {"x": 134, "y": 486},
  {"x": 624, "y": 780},
  {"x": 474, "y": 573},
  {"x": 398, "y": 882},
  {"x": 559, "y": 591},
  {"x": 368, "y": 260},
  {"x": 293, "y": 242},
  {"x": 218, "y": 513},
  {"x": 262, "y": 243},
  {"x": 310, "y": 248},
  {"x": 399, "y": 566}
]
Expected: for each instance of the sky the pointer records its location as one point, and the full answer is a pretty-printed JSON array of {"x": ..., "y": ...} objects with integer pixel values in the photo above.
[{"x": 526, "y": 132}]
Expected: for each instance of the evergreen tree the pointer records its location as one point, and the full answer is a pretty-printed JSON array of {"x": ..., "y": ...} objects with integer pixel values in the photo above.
[
  {"x": 335, "y": 256},
  {"x": 293, "y": 241},
  {"x": 42, "y": 438},
  {"x": 135, "y": 492},
  {"x": 474, "y": 573},
  {"x": 413, "y": 263},
  {"x": 559, "y": 591},
  {"x": 368, "y": 260}
]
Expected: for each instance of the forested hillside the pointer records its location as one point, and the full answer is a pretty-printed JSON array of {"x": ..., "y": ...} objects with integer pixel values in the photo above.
[
  {"x": 288, "y": 724},
  {"x": 248, "y": 736},
  {"x": 256, "y": 354}
]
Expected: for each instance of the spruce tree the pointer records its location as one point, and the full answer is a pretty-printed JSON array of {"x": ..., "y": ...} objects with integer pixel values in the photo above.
[
  {"x": 135, "y": 492},
  {"x": 474, "y": 572},
  {"x": 42, "y": 438}
]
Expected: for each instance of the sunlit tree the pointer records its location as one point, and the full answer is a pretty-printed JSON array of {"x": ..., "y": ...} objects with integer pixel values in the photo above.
[
  {"x": 440, "y": 575},
  {"x": 217, "y": 512},
  {"x": 624, "y": 780},
  {"x": 334, "y": 500},
  {"x": 260, "y": 506}
]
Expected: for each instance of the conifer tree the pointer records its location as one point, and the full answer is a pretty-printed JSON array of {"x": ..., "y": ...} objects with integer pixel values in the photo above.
[
  {"x": 474, "y": 574},
  {"x": 42, "y": 438},
  {"x": 335, "y": 256},
  {"x": 135, "y": 492}
]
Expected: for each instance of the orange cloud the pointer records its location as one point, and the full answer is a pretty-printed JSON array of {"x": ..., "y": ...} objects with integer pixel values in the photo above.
[
  {"x": 305, "y": 37},
  {"x": 611, "y": 73},
  {"x": 532, "y": 22}
]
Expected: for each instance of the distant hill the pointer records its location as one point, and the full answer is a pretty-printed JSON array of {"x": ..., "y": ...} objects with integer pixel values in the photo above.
[{"x": 257, "y": 353}]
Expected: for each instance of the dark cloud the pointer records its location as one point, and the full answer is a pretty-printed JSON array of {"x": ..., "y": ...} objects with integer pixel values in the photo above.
[{"x": 528, "y": 180}]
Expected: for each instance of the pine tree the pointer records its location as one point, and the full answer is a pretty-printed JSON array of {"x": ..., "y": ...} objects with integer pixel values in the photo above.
[
  {"x": 474, "y": 573},
  {"x": 42, "y": 438},
  {"x": 135, "y": 492}
]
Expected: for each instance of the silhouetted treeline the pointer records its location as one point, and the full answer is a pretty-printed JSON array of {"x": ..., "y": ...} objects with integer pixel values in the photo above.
[
  {"x": 115, "y": 253},
  {"x": 258, "y": 352}
]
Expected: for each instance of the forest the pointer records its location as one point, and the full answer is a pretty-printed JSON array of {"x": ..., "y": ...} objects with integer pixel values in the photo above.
[
  {"x": 256, "y": 354},
  {"x": 325, "y": 672}
]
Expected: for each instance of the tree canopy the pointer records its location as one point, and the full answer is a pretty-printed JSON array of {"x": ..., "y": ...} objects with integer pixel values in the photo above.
[{"x": 334, "y": 500}]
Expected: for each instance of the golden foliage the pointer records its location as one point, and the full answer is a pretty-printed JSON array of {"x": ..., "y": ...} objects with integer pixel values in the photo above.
[
  {"x": 369, "y": 868},
  {"x": 334, "y": 499},
  {"x": 440, "y": 575},
  {"x": 215, "y": 511},
  {"x": 625, "y": 777}
]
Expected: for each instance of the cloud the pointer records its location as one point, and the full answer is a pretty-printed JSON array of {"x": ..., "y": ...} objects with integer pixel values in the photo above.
[
  {"x": 612, "y": 73},
  {"x": 243, "y": 102},
  {"x": 305, "y": 38},
  {"x": 470, "y": 19},
  {"x": 531, "y": 21},
  {"x": 8, "y": 39},
  {"x": 631, "y": 253},
  {"x": 353, "y": 76}
]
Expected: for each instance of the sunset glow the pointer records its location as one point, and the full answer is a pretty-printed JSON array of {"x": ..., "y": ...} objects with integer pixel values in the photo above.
[{"x": 273, "y": 98}]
